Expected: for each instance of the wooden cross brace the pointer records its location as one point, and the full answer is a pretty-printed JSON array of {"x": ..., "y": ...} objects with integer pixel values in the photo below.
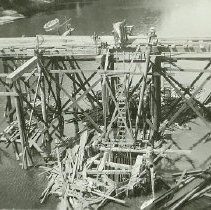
[
  {"x": 70, "y": 97},
  {"x": 188, "y": 102},
  {"x": 118, "y": 109}
]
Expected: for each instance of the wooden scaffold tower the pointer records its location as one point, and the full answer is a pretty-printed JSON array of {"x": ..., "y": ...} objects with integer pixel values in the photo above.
[{"x": 95, "y": 105}]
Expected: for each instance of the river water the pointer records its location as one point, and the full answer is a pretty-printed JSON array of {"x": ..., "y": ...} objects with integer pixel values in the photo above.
[{"x": 21, "y": 189}]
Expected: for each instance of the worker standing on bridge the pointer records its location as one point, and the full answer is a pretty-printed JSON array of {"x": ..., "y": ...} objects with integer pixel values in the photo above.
[
  {"x": 153, "y": 40},
  {"x": 120, "y": 35}
]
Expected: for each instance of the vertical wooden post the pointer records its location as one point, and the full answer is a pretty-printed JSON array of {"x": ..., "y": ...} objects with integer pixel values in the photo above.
[
  {"x": 26, "y": 156},
  {"x": 108, "y": 64},
  {"x": 46, "y": 135},
  {"x": 8, "y": 109},
  {"x": 75, "y": 110},
  {"x": 104, "y": 65},
  {"x": 113, "y": 82},
  {"x": 58, "y": 102},
  {"x": 105, "y": 102},
  {"x": 142, "y": 91},
  {"x": 156, "y": 96}
]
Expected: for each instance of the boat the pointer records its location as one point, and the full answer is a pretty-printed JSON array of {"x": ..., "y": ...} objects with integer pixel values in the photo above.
[{"x": 51, "y": 25}]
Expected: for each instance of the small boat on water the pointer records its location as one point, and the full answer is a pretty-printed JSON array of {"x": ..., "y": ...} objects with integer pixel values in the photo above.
[
  {"x": 63, "y": 29},
  {"x": 51, "y": 25}
]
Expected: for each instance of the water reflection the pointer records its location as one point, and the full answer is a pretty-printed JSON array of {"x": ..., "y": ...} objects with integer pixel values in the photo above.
[
  {"x": 20, "y": 188},
  {"x": 78, "y": 9},
  {"x": 170, "y": 17},
  {"x": 186, "y": 18}
]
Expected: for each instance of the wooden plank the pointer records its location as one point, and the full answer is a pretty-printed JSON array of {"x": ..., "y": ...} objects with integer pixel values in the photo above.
[
  {"x": 186, "y": 38},
  {"x": 190, "y": 56},
  {"x": 8, "y": 94},
  {"x": 28, "y": 65},
  {"x": 189, "y": 172},
  {"x": 93, "y": 172},
  {"x": 83, "y": 140},
  {"x": 185, "y": 193},
  {"x": 186, "y": 70},
  {"x": 135, "y": 172},
  {"x": 143, "y": 151},
  {"x": 89, "y": 54},
  {"x": 106, "y": 72},
  {"x": 103, "y": 161},
  {"x": 70, "y": 45},
  {"x": 87, "y": 40},
  {"x": 115, "y": 165}
]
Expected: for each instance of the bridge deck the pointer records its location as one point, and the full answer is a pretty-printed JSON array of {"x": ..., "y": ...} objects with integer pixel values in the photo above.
[{"x": 86, "y": 46}]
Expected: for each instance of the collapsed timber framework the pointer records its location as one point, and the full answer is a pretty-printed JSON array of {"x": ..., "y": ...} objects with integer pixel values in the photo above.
[{"x": 51, "y": 82}]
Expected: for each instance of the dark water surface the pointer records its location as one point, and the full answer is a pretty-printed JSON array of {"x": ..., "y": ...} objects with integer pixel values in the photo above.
[{"x": 21, "y": 189}]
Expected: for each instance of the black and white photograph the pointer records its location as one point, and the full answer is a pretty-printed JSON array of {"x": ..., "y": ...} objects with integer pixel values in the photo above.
[{"x": 105, "y": 104}]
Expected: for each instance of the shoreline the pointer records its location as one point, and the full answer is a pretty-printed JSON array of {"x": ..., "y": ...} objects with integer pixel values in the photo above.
[{"x": 30, "y": 7}]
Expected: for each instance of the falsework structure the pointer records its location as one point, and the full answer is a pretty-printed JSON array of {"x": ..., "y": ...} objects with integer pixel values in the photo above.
[{"x": 103, "y": 96}]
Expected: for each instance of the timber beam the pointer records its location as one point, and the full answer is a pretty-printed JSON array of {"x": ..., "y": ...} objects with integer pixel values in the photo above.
[
  {"x": 84, "y": 47},
  {"x": 28, "y": 65}
]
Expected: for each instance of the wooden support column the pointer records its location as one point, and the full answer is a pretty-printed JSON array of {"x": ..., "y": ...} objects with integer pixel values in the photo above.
[
  {"x": 104, "y": 65},
  {"x": 107, "y": 63},
  {"x": 105, "y": 102},
  {"x": 156, "y": 97},
  {"x": 46, "y": 135},
  {"x": 142, "y": 91},
  {"x": 75, "y": 110},
  {"x": 26, "y": 156},
  {"x": 8, "y": 113},
  {"x": 58, "y": 99},
  {"x": 113, "y": 82}
]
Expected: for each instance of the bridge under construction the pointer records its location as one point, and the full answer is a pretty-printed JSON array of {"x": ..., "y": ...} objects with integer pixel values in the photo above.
[{"x": 95, "y": 107}]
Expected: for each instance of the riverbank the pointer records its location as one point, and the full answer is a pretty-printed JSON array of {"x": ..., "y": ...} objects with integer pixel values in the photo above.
[{"x": 30, "y": 7}]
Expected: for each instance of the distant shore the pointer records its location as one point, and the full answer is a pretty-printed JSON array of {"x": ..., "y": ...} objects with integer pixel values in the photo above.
[
  {"x": 29, "y": 7},
  {"x": 25, "y": 7}
]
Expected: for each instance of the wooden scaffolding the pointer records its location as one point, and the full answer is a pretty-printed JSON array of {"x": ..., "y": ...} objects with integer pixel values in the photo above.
[{"x": 116, "y": 91}]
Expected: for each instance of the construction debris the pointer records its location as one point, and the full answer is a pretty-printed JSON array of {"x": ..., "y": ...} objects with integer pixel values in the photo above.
[{"x": 191, "y": 185}]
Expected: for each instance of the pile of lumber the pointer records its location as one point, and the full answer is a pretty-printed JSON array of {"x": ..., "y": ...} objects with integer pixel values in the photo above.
[
  {"x": 190, "y": 186},
  {"x": 77, "y": 182},
  {"x": 86, "y": 176},
  {"x": 11, "y": 136}
]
